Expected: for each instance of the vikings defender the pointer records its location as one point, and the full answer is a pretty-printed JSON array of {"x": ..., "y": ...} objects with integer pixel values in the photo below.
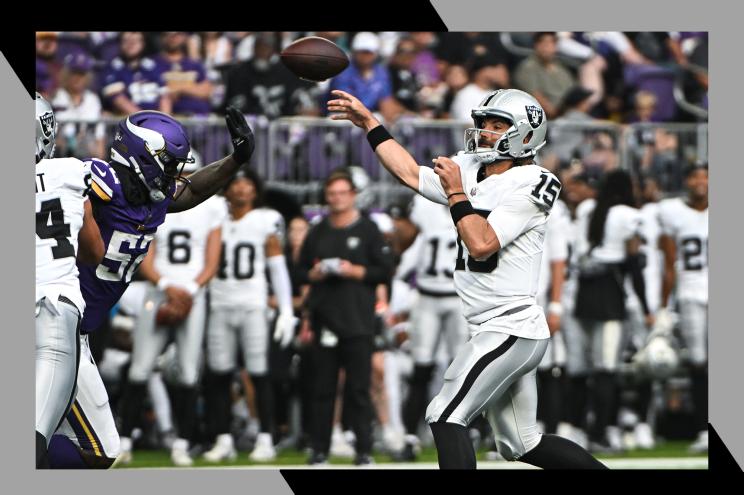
[
  {"x": 130, "y": 196},
  {"x": 65, "y": 229},
  {"x": 499, "y": 201}
]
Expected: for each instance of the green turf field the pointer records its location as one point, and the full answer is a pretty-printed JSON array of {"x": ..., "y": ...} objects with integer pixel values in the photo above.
[{"x": 428, "y": 458}]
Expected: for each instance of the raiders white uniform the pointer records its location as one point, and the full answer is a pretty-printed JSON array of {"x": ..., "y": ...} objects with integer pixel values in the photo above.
[
  {"x": 555, "y": 249},
  {"x": 239, "y": 293},
  {"x": 595, "y": 344},
  {"x": 438, "y": 314},
  {"x": 495, "y": 370},
  {"x": 689, "y": 229},
  {"x": 180, "y": 251},
  {"x": 60, "y": 198}
]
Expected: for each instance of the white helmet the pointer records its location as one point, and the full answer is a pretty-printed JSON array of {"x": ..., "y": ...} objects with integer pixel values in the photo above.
[
  {"x": 46, "y": 129},
  {"x": 658, "y": 358},
  {"x": 527, "y": 120},
  {"x": 360, "y": 178}
]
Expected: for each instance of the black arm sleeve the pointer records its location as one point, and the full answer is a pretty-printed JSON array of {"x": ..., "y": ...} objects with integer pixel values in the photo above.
[
  {"x": 635, "y": 264},
  {"x": 380, "y": 268}
]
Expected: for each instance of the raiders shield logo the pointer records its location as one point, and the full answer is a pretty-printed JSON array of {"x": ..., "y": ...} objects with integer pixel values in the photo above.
[
  {"x": 47, "y": 123},
  {"x": 534, "y": 115}
]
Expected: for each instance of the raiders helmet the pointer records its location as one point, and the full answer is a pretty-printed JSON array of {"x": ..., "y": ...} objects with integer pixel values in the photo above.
[
  {"x": 46, "y": 129},
  {"x": 527, "y": 120}
]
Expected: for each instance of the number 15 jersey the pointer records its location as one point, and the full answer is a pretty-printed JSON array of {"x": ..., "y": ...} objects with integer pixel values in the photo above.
[
  {"x": 516, "y": 204},
  {"x": 241, "y": 278}
]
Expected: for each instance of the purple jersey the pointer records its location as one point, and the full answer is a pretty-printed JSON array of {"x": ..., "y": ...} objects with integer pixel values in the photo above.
[
  {"x": 142, "y": 84},
  {"x": 185, "y": 70},
  {"x": 126, "y": 231}
]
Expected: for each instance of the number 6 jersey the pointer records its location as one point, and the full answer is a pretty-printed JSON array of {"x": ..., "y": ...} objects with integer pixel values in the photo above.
[
  {"x": 516, "y": 204},
  {"x": 241, "y": 278},
  {"x": 689, "y": 229},
  {"x": 60, "y": 196}
]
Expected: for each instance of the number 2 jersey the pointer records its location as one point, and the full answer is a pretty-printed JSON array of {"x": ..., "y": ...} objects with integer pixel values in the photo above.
[
  {"x": 60, "y": 196},
  {"x": 241, "y": 278},
  {"x": 689, "y": 229},
  {"x": 126, "y": 231},
  {"x": 516, "y": 204}
]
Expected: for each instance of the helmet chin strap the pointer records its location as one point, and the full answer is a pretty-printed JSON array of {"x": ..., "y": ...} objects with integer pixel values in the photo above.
[{"x": 156, "y": 195}]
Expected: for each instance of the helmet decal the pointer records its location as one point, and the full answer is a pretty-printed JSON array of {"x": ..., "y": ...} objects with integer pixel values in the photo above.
[{"x": 534, "y": 115}]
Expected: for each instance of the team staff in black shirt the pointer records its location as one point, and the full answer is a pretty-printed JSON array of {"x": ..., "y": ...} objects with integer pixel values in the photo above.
[{"x": 343, "y": 259}]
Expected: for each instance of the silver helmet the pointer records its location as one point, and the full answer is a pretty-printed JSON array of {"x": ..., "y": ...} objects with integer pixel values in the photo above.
[
  {"x": 527, "y": 120},
  {"x": 46, "y": 129}
]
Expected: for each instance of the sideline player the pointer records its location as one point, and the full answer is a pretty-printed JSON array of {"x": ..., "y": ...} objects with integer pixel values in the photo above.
[
  {"x": 252, "y": 238},
  {"x": 684, "y": 242},
  {"x": 65, "y": 228},
  {"x": 183, "y": 258},
  {"x": 130, "y": 196},
  {"x": 499, "y": 201}
]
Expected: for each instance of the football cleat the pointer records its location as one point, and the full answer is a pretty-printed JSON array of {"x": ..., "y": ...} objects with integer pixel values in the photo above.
[
  {"x": 700, "y": 445},
  {"x": 223, "y": 450},
  {"x": 644, "y": 436},
  {"x": 264, "y": 450},
  {"x": 180, "y": 453}
]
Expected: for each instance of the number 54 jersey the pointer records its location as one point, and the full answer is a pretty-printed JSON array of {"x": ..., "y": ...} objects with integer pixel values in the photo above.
[
  {"x": 241, "y": 278},
  {"x": 516, "y": 204},
  {"x": 126, "y": 231},
  {"x": 60, "y": 195}
]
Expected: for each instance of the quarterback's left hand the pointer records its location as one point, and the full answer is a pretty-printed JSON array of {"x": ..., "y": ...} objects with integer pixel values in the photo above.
[
  {"x": 284, "y": 330},
  {"x": 240, "y": 134},
  {"x": 449, "y": 174}
]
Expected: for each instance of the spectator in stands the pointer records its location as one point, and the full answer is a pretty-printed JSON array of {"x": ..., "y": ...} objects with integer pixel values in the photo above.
[
  {"x": 456, "y": 77},
  {"x": 567, "y": 139},
  {"x": 186, "y": 83},
  {"x": 543, "y": 76},
  {"x": 132, "y": 81},
  {"x": 405, "y": 84},
  {"x": 215, "y": 50},
  {"x": 367, "y": 79},
  {"x": 75, "y": 101},
  {"x": 460, "y": 48},
  {"x": 48, "y": 66},
  {"x": 264, "y": 86},
  {"x": 485, "y": 72},
  {"x": 424, "y": 65}
]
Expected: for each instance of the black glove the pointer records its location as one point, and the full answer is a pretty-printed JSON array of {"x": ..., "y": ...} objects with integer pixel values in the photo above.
[{"x": 240, "y": 134}]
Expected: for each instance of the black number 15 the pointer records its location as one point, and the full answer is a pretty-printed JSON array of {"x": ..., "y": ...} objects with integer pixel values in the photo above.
[{"x": 550, "y": 193}]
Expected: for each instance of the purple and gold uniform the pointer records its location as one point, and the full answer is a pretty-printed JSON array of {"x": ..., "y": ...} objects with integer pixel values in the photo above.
[{"x": 126, "y": 231}]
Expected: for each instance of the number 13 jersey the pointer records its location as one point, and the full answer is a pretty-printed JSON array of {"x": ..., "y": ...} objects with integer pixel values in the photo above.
[
  {"x": 516, "y": 204},
  {"x": 689, "y": 229},
  {"x": 241, "y": 278}
]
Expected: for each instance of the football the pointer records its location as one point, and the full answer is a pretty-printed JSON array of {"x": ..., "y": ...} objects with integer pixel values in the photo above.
[{"x": 314, "y": 59}]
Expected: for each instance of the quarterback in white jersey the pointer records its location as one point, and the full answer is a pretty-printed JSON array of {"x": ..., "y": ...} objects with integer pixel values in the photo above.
[
  {"x": 252, "y": 238},
  {"x": 182, "y": 259},
  {"x": 499, "y": 202},
  {"x": 65, "y": 232},
  {"x": 684, "y": 241}
]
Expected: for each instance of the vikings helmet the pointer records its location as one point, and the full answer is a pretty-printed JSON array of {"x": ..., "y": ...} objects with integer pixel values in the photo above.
[
  {"x": 155, "y": 146},
  {"x": 46, "y": 129},
  {"x": 527, "y": 120}
]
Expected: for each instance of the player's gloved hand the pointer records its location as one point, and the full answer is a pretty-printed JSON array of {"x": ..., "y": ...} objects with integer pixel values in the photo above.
[
  {"x": 284, "y": 330},
  {"x": 241, "y": 135}
]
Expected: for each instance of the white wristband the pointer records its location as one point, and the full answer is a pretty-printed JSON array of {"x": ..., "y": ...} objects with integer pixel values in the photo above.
[
  {"x": 191, "y": 287},
  {"x": 555, "y": 308}
]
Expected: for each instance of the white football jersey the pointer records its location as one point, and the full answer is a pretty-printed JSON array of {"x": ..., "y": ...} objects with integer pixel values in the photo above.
[
  {"x": 556, "y": 245},
  {"x": 689, "y": 229},
  {"x": 516, "y": 204},
  {"x": 437, "y": 253},
  {"x": 622, "y": 223},
  {"x": 241, "y": 279},
  {"x": 181, "y": 241},
  {"x": 60, "y": 198}
]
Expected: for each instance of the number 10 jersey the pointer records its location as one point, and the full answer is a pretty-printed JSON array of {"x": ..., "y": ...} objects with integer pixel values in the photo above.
[
  {"x": 241, "y": 278},
  {"x": 516, "y": 204}
]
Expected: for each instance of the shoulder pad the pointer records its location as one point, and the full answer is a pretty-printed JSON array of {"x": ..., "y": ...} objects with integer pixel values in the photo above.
[{"x": 104, "y": 183}]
